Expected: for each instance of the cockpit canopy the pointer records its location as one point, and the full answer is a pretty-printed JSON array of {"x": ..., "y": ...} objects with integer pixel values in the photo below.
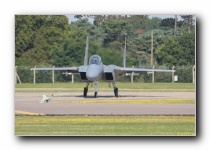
[{"x": 95, "y": 59}]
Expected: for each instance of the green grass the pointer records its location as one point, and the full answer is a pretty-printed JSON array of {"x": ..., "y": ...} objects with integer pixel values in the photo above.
[
  {"x": 105, "y": 125},
  {"x": 185, "y": 87}
]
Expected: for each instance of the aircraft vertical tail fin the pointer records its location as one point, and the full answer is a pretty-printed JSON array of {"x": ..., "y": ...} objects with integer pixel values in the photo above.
[
  {"x": 124, "y": 54},
  {"x": 86, "y": 52}
]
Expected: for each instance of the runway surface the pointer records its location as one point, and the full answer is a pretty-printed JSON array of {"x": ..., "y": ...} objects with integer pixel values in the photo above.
[{"x": 29, "y": 102}]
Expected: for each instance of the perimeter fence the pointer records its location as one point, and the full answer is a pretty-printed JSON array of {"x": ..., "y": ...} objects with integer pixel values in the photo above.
[{"x": 184, "y": 74}]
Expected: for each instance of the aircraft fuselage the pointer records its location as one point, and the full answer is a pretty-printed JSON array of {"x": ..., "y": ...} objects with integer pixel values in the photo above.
[
  {"x": 95, "y": 69},
  {"x": 94, "y": 72}
]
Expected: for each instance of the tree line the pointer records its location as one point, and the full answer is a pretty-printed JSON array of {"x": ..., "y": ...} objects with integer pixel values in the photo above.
[{"x": 50, "y": 40}]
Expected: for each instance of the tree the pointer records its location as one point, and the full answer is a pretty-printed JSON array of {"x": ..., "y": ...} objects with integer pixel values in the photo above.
[
  {"x": 37, "y": 37},
  {"x": 25, "y": 30},
  {"x": 115, "y": 31},
  {"x": 72, "y": 53},
  {"x": 139, "y": 21},
  {"x": 177, "y": 51},
  {"x": 168, "y": 22},
  {"x": 170, "y": 53},
  {"x": 95, "y": 33},
  {"x": 187, "y": 42},
  {"x": 140, "y": 46},
  {"x": 175, "y": 25},
  {"x": 99, "y": 19},
  {"x": 188, "y": 22},
  {"x": 154, "y": 23},
  {"x": 81, "y": 24}
]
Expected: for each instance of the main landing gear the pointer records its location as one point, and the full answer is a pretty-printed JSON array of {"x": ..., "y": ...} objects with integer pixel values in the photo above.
[
  {"x": 96, "y": 94},
  {"x": 95, "y": 87},
  {"x": 115, "y": 90},
  {"x": 86, "y": 89}
]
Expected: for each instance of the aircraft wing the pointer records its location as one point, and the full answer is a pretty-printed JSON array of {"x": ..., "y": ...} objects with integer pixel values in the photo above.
[
  {"x": 122, "y": 70},
  {"x": 71, "y": 69}
]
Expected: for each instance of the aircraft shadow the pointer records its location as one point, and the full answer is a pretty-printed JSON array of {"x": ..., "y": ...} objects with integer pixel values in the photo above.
[
  {"x": 112, "y": 96},
  {"x": 120, "y": 96}
]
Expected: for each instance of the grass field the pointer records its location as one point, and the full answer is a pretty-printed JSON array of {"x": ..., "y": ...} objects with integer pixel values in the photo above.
[
  {"x": 108, "y": 125},
  {"x": 176, "y": 87},
  {"x": 105, "y": 125}
]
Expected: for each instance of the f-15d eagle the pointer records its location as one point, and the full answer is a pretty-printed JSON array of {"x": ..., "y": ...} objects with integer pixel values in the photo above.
[{"x": 95, "y": 71}]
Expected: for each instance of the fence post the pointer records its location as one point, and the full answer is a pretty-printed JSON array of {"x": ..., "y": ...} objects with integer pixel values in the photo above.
[
  {"x": 193, "y": 74},
  {"x": 132, "y": 74},
  {"x": 153, "y": 75},
  {"x": 53, "y": 75},
  {"x": 72, "y": 78},
  {"x": 34, "y": 75},
  {"x": 17, "y": 76},
  {"x": 173, "y": 75}
]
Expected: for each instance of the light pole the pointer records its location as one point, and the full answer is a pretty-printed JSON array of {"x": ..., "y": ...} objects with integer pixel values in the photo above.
[
  {"x": 152, "y": 48},
  {"x": 153, "y": 73},
  {"x": 124, "y": 57}
]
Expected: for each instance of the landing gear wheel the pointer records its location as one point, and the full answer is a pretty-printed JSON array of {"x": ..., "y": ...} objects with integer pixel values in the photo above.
[
  {"x": 116, "y": 92},
  {"x": 85, "y": 92},
  {"x": 96, "y": 94}
]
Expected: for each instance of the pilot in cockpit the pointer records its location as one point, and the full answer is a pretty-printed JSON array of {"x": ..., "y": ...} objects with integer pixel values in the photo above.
[{"x": 94, "y": 60}]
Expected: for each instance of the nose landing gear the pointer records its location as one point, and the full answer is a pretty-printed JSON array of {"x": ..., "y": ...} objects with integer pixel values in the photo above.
[{"x": 96, "y": 89}]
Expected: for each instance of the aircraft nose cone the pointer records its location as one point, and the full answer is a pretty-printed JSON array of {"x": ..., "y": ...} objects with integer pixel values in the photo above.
[{"x": 92, "y": 73}]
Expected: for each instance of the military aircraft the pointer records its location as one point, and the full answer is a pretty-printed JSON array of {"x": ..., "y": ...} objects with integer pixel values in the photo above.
[{"x": 95, "y": 71}]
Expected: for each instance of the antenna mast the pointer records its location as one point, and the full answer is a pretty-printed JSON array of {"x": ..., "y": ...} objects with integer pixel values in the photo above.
[
  {"x": 124, "y": 55},
  {"x": 86, "y": 52}
]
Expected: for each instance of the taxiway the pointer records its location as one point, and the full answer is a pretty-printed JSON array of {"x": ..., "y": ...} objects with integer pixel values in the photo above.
[{"x": 30, "y": 102}]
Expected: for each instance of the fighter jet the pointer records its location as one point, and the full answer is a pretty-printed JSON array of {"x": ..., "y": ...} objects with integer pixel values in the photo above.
[{"x": 96, "y": 70}]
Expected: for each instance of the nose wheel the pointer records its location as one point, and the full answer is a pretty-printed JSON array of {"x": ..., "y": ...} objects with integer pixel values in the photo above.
[
  {"x": 96, "y": 94},
  {"x": 85, "y": 91},
  {"x": 96, "y": 88},
  {"x": 116, "y": 92}
]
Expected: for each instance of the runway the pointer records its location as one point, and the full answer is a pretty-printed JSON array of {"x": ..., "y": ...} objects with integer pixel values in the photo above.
[{"x": 29, "y": 102}]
